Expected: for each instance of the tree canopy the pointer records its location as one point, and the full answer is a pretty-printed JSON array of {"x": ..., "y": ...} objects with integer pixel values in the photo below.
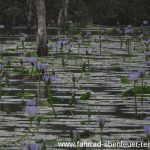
[{"x": 106, "y": 12}]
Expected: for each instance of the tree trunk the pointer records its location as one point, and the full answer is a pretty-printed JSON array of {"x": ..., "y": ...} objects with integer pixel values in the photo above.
[
  {"x": 65, "y": 12},
  {"x": 63, "y": 15},
  {"x": 42, "y": 49},
  {"x": 60, "y": 21},
  {"x": 29, "y": 15}
]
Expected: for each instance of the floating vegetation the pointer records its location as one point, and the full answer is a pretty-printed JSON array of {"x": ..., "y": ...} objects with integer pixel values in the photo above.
[{"x": 85, "y": 76}]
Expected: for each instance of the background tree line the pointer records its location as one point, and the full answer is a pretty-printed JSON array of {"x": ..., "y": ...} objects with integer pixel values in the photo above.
[{"x": 106, "y": 12}]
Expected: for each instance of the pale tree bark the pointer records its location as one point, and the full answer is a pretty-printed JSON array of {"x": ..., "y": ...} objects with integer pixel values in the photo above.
[
  {"x": 63, "y": 15},
  {"x": 29, "y": 15},
  {"x": 60, "y": 20},
  {"x": 65, "y": 11},
  {"x": 42, "y": 49}
]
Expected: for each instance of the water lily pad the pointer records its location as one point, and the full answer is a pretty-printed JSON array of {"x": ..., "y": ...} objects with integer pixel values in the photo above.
[
  {"x": 85, "y": 96},
  {"x": 125, "y": 80}
]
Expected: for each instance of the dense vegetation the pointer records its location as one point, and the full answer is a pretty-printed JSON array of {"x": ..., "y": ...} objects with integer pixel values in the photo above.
[{"x": 106, "y": 12}]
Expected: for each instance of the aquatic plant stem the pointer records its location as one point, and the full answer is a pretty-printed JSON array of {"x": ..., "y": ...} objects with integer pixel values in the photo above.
[
  {"x": 62, "y": 57},
  {"x": 89, "y": 116},
  {"x": 101, "y": 137},
  {"x": 88, "y": 60},
  {"x": 31, "y": 72},
  {"x": 22, "y": 90},
  {"x": 25, "y": 135},
  {"x": 78, "y": 50},
  {"x": 120, "y": 43},
  {"x": 0, "y": 87},
  {"x": 142, "y": 94},
  {"x": 135, "y": 100},
  {"x": 37, "y": 128},
  {"x": 100, "y": 44},
  {"x": 39, "y": 95},
  {"x": 56, "y": 50},
  {"x": 23, "y": 44},
  {"x": 50, "y": 100},
  {"x": 2, "y": 55},
  {"x": 74, "y": 85}
]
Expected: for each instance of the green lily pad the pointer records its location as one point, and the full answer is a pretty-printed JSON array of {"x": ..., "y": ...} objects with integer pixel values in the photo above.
[
  {"x": 21, "y": 71},
  {"x": 25, "y": 94},
  {"x": 138, "y": 90},
  {"x": 31, "y": 54},
  {"x": 86, "y": 134},
  {"x": 55, "y": 100},
  {"x": 51, "y": 142},
  {"x": 125, "y": 80},
  {"x": 44, "y": 103},
  {"x": 85, "y": 96}
]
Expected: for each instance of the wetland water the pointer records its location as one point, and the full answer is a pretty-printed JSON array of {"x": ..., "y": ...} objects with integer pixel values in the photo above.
[{"x": 98, "y": 93}]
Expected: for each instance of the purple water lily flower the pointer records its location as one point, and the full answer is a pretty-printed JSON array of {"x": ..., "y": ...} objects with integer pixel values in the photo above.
[
  {"x": 147, "y": 53},
  {"x": 63, "y": 42},
  {"x": 30, "y": 111},
  {"x": 147, "y": 99},
  {"x": 141, "y": 72},
  {"x": 145, "y": 22},
  {"x": 32, "y": 147},
  {"x": 147, "y": 41},
  {"x": 128, "y": 30},
  {"x": 147, "y": 63},
  {"x": 22, "y": 38},
  {"x": 41, "y": 68},
  {"x": 147, "y": 126},
  {"x": 48, "y": 78},
  {"x": 31, "y": 102},
  {"x": 32, "y": 60},
  {"x": 134, "y": 76}
]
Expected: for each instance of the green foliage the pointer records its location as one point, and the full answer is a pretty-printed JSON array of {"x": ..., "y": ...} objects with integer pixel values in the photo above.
[
  {"x": 31, "y": 54},
  {"x": 40, "y": 118},
  {"x": 21, "y": 71},
  {"x": 85, "y": 96},
  {"x": 44, "y": 103},
  {"x": 84, "y": 12},
  {"x": 51, "y": 142},
  {"x": 125, "y": 80},
  {"x": 54, "y": 99},
  {"x": 26, "y": 94},
  {"x": 82, "y": 123},
  {"x": 138, "y": 90},
  {"x": 86, "y": 134}
]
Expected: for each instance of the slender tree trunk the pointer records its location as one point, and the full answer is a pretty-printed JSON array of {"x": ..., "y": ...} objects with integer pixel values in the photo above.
[
  {"x": 65, "y": 12},
  {"x": 29, "y": 15},
  {"x": 60, "y": 21},
  {"x": 42, "y": 49},
  {"x": 63, "y": 15}
]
